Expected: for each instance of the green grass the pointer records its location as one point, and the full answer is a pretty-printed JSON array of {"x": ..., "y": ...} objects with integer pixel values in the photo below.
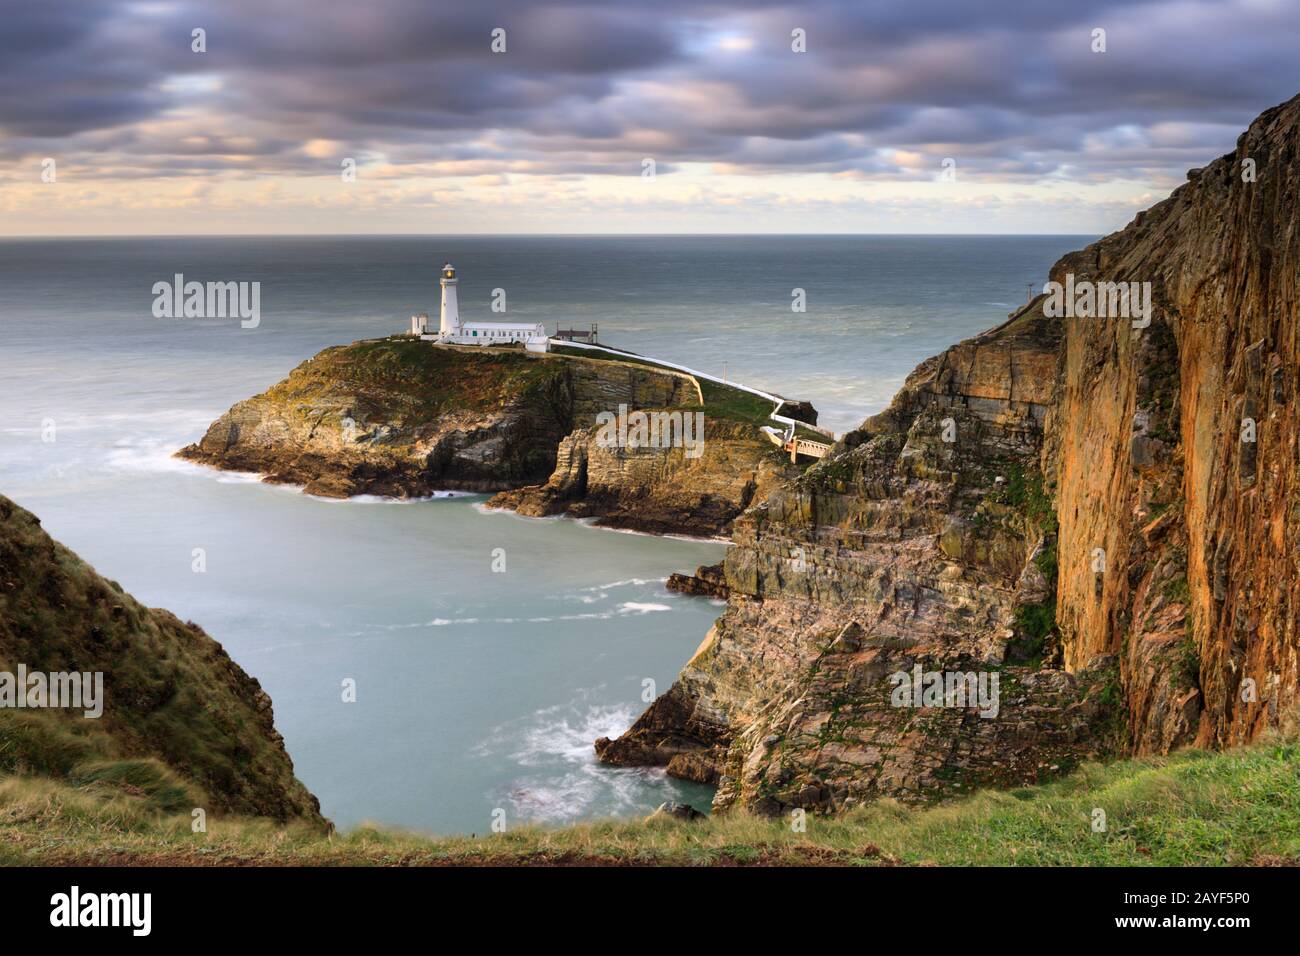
[
  {"x": 723, "y": 401},
  {"x": 1177, "y": 590},
  {"x": 414, "y": 378},
  {"x": 1027, "y": 492},
  {"x": 1192, "y": 808}
]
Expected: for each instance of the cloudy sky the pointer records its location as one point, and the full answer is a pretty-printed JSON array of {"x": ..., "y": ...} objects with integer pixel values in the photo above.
[{"x": 744, "y": 133}]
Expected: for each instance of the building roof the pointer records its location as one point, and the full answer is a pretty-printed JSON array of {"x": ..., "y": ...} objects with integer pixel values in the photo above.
[{"x": 502, "y": 326}]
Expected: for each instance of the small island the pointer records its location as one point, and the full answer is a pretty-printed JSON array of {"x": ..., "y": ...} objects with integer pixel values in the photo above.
[{"x": 520, "y": 415}]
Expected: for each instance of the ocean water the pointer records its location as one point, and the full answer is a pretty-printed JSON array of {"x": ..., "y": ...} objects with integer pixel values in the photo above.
[{"x": 476, "y": 690}]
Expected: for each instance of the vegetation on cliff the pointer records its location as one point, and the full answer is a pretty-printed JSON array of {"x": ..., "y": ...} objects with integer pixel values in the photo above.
[
  {"x": 922, "y": 541},
  {"x": 399, "y": 417},
  {"x": 183, "y": 726}
]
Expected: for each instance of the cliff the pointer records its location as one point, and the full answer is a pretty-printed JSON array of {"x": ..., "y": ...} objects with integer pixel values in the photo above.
[
  {"x": 919, "y": 541},
  {"x": 664, "y": 491},
  {"x": 401, "y": 417},
  {"x": 1175, "y": 451},
  {"x": 1095, "y": 509},
  {"x": 182, "y": 725}
]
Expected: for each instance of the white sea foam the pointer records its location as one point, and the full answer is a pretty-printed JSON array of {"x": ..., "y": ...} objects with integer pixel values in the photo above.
[
  {"x": 148, "y": 455},
  {"x": 544, "y": 619},
  {"x": 636, "y": 582},
  {"x": 239, "y": 478},
  {"x": 562, "y": 781},
  {"x": 384, "y": 500},
  {"x": 482, "y": 508},
  {"x": 636, "y": 607},
  {"x": 591, "y": 523}
]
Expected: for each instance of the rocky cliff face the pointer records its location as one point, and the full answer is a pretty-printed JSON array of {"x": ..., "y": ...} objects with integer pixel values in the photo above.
[
  {"x": 404, "y": 418},
  {"x": 170, "y": 693},
  {"x": 1175, "y": 452},
  {"x": 920, "y": 541},
  {"x": 1064, "y": 502},
  {"x": 400, "y": 417},
  {"x": 709, "y": 580},
  {"x": 663, "y": 491}
]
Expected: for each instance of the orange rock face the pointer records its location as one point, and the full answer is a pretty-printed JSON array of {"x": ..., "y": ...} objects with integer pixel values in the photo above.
[{"x": 1176, "y": 452}]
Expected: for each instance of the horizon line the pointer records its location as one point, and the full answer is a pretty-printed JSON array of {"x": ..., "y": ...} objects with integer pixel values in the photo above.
[{"x": 540, "y": 235}]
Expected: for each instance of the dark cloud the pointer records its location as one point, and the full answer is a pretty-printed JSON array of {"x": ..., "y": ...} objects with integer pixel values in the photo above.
[
  {"x": 60, "y": 72},
  {"x": 1011, "y": 88}
]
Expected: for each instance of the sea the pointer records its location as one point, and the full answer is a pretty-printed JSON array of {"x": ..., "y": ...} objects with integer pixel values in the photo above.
[{"x": 435, "y": 665}]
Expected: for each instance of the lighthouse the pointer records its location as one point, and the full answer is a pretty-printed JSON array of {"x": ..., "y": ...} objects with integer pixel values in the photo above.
[
  {"x": 450, "y": 324},
  {"x": 452, "y": 331}
]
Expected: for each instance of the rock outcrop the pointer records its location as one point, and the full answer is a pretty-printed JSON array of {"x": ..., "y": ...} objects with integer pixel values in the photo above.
[
  {"x": 658, "y": 490},
  {"x": 709, "y": 580},
  {"x": 1095, "y": 511},
  {"x": 171, "y": 694},
  {"x": 403, "y": 418}
]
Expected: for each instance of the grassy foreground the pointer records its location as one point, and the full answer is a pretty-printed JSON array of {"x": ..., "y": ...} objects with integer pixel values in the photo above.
[{"x": 1192, "y": 808}]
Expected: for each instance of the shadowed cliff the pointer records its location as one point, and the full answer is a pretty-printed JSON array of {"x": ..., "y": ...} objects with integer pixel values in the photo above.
[{"x": 182, "y": 726}]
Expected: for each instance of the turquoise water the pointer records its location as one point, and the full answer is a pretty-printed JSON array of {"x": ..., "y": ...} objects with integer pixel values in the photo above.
[{"x": 476, "y": 690}]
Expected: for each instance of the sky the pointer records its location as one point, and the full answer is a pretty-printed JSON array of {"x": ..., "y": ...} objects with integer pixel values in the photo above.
[{"x": 600, "y": 116}]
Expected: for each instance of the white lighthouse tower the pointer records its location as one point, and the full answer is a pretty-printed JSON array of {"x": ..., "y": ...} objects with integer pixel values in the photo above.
[{"x": 450, "y": 324}]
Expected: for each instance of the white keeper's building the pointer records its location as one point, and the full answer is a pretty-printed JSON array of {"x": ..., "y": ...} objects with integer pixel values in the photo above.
[{"x": 451, "y": 330}]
